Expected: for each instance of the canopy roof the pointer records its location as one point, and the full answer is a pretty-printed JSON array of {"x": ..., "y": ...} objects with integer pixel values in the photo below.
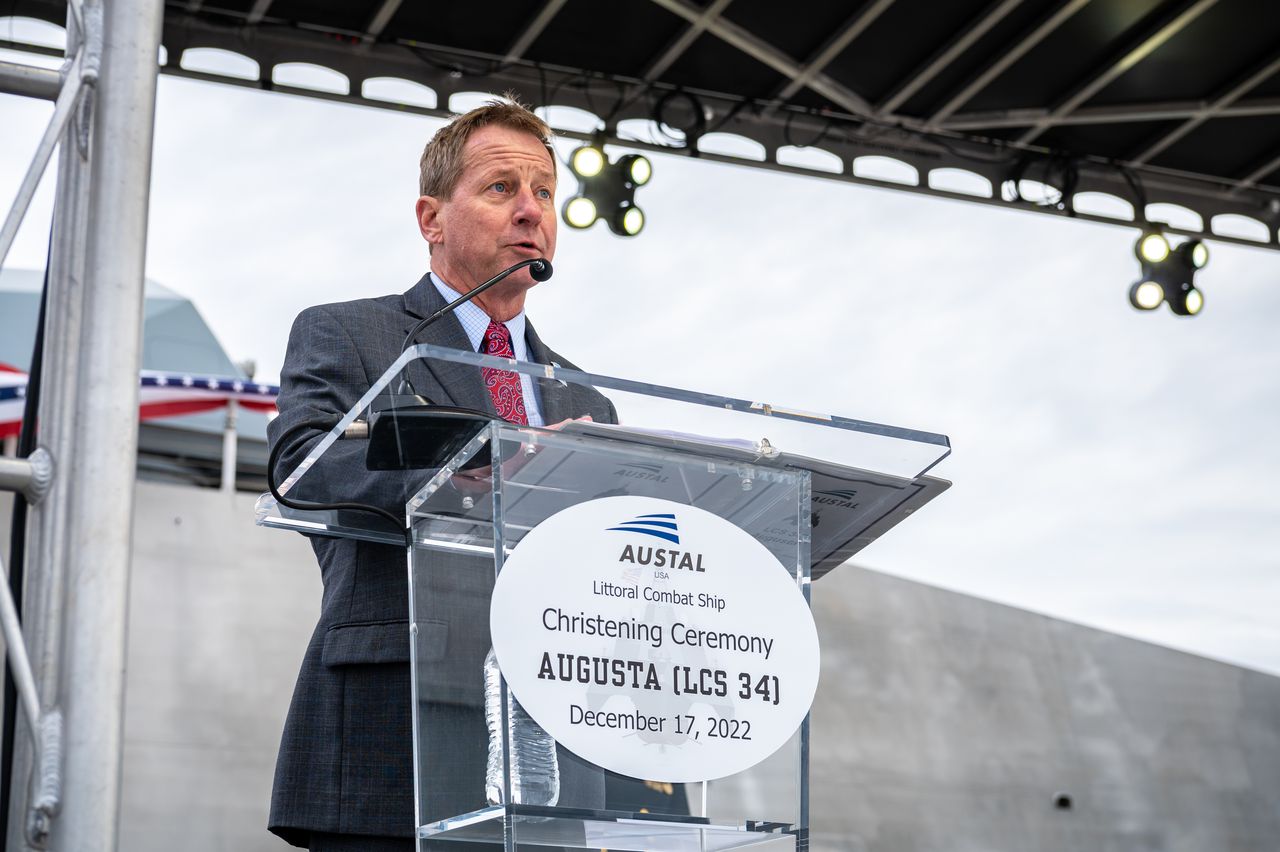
[{"x": 1152, "y": 101}]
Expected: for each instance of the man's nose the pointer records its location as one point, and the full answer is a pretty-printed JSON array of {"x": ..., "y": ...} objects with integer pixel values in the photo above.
[{"x": 528, "y": 210}]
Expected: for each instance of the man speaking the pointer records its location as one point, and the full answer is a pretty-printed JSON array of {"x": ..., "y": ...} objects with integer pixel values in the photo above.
[{"x": 344, "y": 776}]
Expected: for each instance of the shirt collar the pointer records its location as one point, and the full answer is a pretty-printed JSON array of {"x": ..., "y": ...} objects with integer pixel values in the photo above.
[{"x": 475, "y": 321}]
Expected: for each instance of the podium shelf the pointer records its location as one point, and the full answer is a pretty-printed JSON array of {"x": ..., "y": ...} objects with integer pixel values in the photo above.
[{"x": 581, "y": 828}]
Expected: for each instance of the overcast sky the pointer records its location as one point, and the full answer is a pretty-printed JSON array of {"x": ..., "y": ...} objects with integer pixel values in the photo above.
[{"x": 1112, "y": 468}]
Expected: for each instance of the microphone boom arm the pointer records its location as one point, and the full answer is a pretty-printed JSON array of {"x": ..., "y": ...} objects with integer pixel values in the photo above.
[{"x": 540, "y": 270}]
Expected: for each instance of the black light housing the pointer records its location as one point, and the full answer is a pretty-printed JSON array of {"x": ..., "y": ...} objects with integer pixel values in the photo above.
[
  {"x": 1152, "y": 247},
  {"x": 1185, "y": 300},
  {"x": 606, "y": 190},
  {"x": 588, "y": 161},
  {"x": 636, "y": 168},
  {"x": 1146, "y": 295},
  {"x": 1168, "y": 274},
  {"x": 1194, "y": 253},
  {"x": 628, "y": 220}
]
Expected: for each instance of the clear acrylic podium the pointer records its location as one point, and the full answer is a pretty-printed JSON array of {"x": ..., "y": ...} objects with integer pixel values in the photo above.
[{"x": 812, "y": 488}]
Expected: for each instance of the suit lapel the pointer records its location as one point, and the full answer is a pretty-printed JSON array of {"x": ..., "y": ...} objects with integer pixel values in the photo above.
[
  {"x": 462, "y": 385},
  {"x": 554, "y": 396}
]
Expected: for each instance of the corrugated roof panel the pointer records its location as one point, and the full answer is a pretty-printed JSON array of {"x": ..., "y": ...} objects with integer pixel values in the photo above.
[
  {"x": 489, "y": 27},
  {"x": 1227, "y": 146},
  {"x": 898, "y": 42},
  {"x": 350, "y": 15},
  {"x": 797, "y": 36},
  {"x": 713, "y": 64},
  {"x": 638, "y": 33},
  {"x": 1203, "y": 60},
  {"x": 1268, "y": 89},
  {"x": 982, "y": 53},
  {"x": 1073, "y": 53},
  {"x": 1108, "y": 140}
]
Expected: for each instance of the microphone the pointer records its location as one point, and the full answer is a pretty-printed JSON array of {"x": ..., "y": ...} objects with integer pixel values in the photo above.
[
  {"x": 413, "y": 432},
  {"x": 540, "y": 269}
]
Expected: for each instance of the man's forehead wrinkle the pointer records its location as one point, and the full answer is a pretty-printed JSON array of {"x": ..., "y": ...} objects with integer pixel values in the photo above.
[
  {"x": 504, "y": 150},
  {"x": 506, "y": 165}
]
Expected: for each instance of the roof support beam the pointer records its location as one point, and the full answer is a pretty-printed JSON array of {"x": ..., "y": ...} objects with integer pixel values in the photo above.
[
  {"x": 853, "y": 28},
  {"x": 379, "y": 21},
  {"x": 684, "y": 41},
  {"x": 1120, "y": 114},
  {"x": 1020, "y": 48},
  {"x": 1257, "y": 174},
  {"x": 258, "y": 11},
  {"x": 965, "y": 40},
  {"x": 766, "y": 54},
  {"x": 1237, "y": 90},
  {"x": 525, "y": 40},
  {"x": 1170, "y": 27},
  {"x": 1208, "y": 195}
]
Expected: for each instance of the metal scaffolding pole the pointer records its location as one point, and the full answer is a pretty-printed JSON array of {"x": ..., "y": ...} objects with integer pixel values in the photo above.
[
  {"x": 103, "y": 450},
  {"x": 36, "y": 793},
  {"x": 229, "y": 443},
  {"x": 30, "y": 81}
]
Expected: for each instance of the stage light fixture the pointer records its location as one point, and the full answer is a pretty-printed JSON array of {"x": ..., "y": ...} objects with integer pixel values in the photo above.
[
  {"x": 1152, "y": 247},
  {"x": 1168, "y": 274},
  {"x": 607, "y": 190},
  {"x": 1186, "y": 300},
  {"x": 1195, "y": 253},
  {"x": 629, "y": 222},
  {"x": 587, "y": 161},
  {"x": 580, "y": 212},
  {"x": 1146, "y": 295},
  {"x": 1195, "y": 301},
  {"x": 637, "y": 168}
]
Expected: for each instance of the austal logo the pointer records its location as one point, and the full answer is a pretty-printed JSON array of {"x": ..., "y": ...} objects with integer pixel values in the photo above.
[
  {"x": 660, "y": 526},
  {"x": 646, "y": 472},
  {"x": 837, "y": 497}
]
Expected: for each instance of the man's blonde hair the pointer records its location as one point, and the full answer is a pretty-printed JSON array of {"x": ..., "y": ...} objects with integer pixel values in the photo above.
[{"x": 442, "y": 160}]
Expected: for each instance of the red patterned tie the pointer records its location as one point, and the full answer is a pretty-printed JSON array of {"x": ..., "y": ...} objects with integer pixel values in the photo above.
[{"x": 503, "y": 385}]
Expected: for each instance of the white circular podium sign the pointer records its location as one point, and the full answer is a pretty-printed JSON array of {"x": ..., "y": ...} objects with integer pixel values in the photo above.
[{"x": 655, "y": 639}]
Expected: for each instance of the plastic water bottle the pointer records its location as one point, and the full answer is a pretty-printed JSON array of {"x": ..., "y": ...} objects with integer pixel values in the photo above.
[{"x": 535, "y": 773}]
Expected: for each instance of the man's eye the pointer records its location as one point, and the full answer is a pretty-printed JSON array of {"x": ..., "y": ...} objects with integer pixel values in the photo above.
[
  {"x": 500, "y": 186},
  {"x": 544, "y": 193}
]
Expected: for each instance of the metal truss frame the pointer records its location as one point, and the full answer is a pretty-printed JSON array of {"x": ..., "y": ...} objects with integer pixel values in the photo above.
[
  {"x": 68, "y": 657},
  {"x": 948, "y": 138}
]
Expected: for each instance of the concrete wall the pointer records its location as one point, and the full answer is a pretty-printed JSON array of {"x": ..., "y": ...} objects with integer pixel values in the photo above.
[
  {"x": 942, "y": 722},
  {"x": 220, "y": 613},
  {"x": 951, "y": 723}
]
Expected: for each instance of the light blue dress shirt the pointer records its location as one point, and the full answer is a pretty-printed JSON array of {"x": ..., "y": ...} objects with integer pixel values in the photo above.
[{"x": 475, "y": 322}]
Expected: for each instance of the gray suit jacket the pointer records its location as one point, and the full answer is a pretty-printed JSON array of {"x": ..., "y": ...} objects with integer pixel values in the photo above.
[{"x": 345, "y": 762}]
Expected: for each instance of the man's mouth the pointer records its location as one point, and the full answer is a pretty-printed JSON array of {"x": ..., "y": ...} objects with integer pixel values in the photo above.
[{"x": 527, "y": 245}]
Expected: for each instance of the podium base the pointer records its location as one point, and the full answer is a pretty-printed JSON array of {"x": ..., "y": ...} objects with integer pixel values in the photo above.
[{"x": 581, "y": 828}]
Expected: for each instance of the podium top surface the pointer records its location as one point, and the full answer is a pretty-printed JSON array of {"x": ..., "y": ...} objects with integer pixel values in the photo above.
[{"x": 842, "y": 454}]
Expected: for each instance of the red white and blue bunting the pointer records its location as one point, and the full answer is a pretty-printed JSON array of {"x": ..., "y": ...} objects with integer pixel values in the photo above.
[{"x": 159, "y": 395}]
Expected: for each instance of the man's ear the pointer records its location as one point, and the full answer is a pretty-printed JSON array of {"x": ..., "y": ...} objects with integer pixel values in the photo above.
[{"x": 430, "y": 219}]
